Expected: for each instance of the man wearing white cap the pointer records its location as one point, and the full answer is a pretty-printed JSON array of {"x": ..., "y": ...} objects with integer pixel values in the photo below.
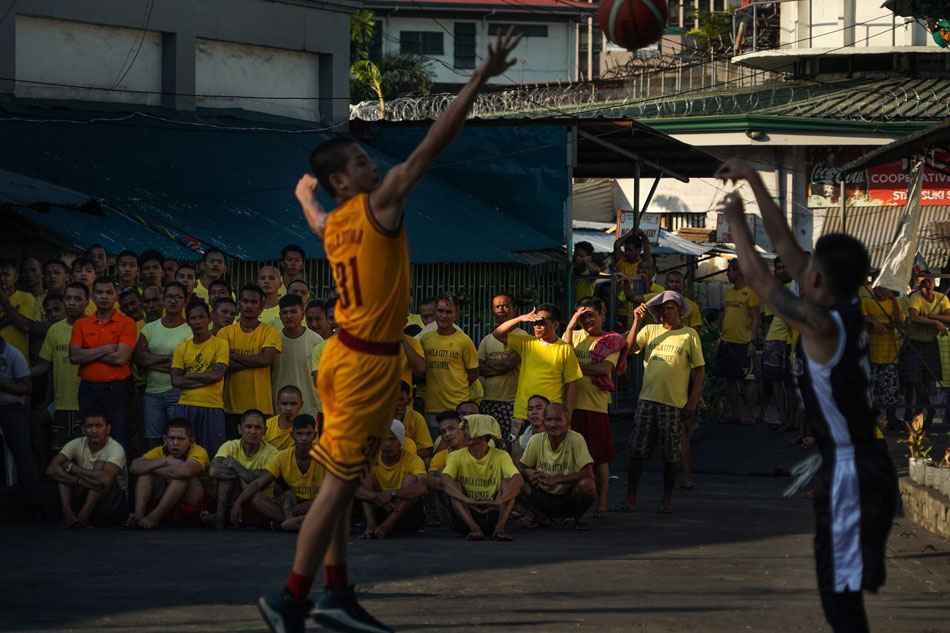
[
  {"x": 481, "y": 482},
  {"x": 391, "y": 492},
  {"x": 672, "y": 354}
]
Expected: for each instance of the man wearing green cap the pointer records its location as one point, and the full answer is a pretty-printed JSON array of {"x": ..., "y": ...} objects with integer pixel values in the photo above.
[{"x": 481, "y": 482}]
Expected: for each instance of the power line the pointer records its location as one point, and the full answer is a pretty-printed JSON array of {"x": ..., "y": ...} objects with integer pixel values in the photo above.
[{"x": 140, "y": 40}]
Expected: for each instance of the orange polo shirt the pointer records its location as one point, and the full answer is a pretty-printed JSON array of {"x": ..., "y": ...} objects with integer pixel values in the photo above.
[{"x": 89, "y": 332}]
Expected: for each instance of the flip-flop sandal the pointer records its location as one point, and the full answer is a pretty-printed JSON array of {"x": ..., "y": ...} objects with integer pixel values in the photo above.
[
  {"x": 501, "y": 536},
  {"x": 529, "y": 523},
  {"x": 600, "y": 514},
  {"x": 685, "y": 487},
  {"x": 619, "y": 507},
  {"x": 662, "y": 509},
  {"x": 580, "y": 526},
  {"x": 475, "y": 537}
]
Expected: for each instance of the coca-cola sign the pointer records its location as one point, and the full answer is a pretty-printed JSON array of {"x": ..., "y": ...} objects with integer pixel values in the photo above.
[{"x": 882, "y": 185}]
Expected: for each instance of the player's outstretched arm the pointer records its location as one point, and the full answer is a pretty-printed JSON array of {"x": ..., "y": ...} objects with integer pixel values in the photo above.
[
  {"x": 813, "y": 321},
  {"x": 306, "y": 193},
  {"x": 388, "y": 201},
  {"x": 736, "y": 169}
]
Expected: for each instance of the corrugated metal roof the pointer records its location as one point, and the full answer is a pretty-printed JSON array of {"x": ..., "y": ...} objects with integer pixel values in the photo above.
[
  {"x": 876, "y": 227},
  {"x": 594, "y": 200},
  {"x": 934, "y": 136},
  {"x": 22, "y": 191},
  {"x": 669, "y": 244},
  {"x": 227, "y": 182},
  {"x": 879, "y": 100}
]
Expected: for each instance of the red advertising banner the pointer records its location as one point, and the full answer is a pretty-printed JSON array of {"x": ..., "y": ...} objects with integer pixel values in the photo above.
[{"x": 883, "y": 185}]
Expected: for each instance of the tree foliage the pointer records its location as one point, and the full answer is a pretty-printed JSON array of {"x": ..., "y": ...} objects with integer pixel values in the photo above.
[{"x": 391, "y": 75}]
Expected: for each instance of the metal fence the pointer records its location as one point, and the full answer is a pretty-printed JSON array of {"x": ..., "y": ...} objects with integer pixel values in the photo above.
[{"x": 474, "y": 283}]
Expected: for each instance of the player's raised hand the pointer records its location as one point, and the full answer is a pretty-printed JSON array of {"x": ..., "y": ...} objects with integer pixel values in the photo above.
[
  {"x": 306, "y": 192},
  {"x": 734, "y": 170},
  {"x": 497, "y": 61},
  {"x": 731, "y": 206}
]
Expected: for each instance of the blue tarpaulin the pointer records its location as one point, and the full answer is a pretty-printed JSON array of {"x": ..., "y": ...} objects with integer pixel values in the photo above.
[{"x": 228, "y": 182}]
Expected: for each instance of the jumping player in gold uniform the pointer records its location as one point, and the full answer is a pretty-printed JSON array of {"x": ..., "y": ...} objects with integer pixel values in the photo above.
[{"x": 358, "y": 382}]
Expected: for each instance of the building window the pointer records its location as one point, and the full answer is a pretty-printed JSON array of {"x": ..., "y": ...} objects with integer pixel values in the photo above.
[
  {"x": 528, "y": 30},
  {"x": 421, "y": 42},
  {"x": 465, "y": 45},
  {"x": 675, "y": 13},
  {"x": 375, "y": 48}
]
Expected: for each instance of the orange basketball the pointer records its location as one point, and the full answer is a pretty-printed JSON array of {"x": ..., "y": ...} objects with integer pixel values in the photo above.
[{"x": 633, "y": 24}]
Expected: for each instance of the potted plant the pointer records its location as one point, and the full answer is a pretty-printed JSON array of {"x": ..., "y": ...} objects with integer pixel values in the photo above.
[{"x": 918, "y": 445}]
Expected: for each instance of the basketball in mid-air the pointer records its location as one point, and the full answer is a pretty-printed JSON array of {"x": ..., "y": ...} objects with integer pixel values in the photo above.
[{"x": 633, "y": 24}]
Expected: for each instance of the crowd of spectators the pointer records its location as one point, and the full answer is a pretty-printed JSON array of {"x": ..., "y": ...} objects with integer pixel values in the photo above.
[{"x": 163, "y": 396}]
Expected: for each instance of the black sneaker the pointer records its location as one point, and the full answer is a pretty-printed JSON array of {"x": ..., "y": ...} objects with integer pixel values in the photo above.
[
  {"x": 283, "y": 614},
  {"x": 337, "y": 609}
]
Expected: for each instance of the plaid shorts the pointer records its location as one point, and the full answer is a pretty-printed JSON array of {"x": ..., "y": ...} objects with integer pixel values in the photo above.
[{"x": 655, "y": 422}]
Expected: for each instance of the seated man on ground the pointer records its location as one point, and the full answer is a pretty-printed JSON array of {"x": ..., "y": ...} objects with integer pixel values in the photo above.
[
  {"x": 169, "y": 488},
  {"x": 559, "y": 472},
  {"x": 481, "y": 483},
  {"x": 392, "y": 492},
  {"x": 279, "y": 427},
  {"x": 243, "y": 460},
  {"x": 536, "y": 406},
  {"x": 452, "y": 438},
  {"x": 299, "y": 472},
  {"x": 91, "y": 474},
  {"x": 415, "y": 423}
]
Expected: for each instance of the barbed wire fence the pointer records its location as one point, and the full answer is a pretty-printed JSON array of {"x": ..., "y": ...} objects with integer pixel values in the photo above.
[{"x": 634, "y": 99}]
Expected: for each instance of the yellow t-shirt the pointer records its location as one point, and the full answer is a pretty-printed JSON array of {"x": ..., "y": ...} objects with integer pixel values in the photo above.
[
  {"x": 25, "y": 304},
  {"x": 271, "y": 316},
  {"x": 65, "y": 375},
  {"x": 480, "y": 478},
  {"x": 571, "y": 456},
  {"x": 447, "y": 360},
  {"x": 938, "y": 306},
  {"x": 80, "y": 453},
  {"x": 390, "y": 477},
  {"x": 668, "y": 357},
  {"x": 737, "y": 322},
  {"x": 196, "y": 453},
  {"x": 305, "y": 485},
  {"x": 196, "y": 358},
  {"x": 584, "y": 284},
  {"x": 277, "y": 437},
  {"x": 416, "y": 429},
  {"x": 500, "y": 388},
  {"x": 257, "y": 461},
  {"x": 292, "y": 367},
  {"x": 545, "y": 369},
  {"x": 91, "y": 308},
  {"x": 778, "y": 329},
  {"x": 882, "y": 347},
  {"x": 590, "y": 397},
  {"x": 315, "y": 357},
  {"x": 695, "y": 317},
  {"x": 249, "y": 388},
  {"x": 437, "y": 462},
  {"x": 414, "y": 319}
]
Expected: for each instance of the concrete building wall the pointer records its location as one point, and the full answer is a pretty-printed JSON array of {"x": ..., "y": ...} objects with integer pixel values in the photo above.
[
  {"x": 783, "y": 170},
  {"x": 298, "y": 49},
  {"x": 242, "y": 73},
  {"x": 858, "y": 23},
  {"x": 67, "y": 60},
  {"x": 540, "y": 59}
]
